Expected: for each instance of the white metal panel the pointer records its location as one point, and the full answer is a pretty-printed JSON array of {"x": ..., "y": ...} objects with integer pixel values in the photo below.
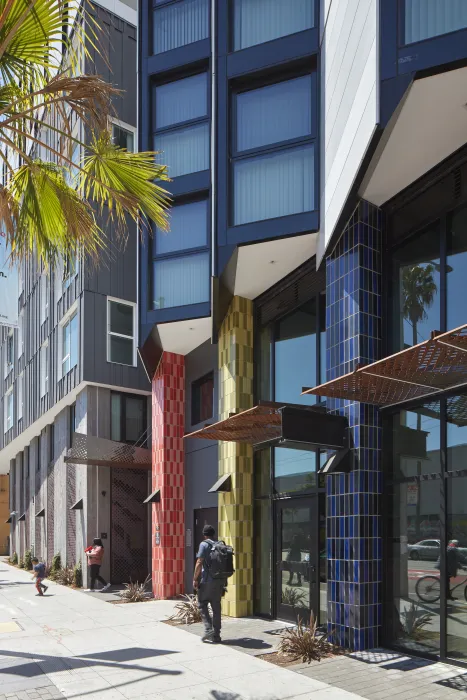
[{"x": 349, "y": 102}]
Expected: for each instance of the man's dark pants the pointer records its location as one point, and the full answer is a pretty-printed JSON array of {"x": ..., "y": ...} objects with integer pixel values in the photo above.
[{"x": 211, "y": 592}]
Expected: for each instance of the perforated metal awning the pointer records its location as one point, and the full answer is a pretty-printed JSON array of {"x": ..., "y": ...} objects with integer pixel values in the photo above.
[
  {"x": 268, "y": 422},
  {"x": 88, "y": 449},
  {"x": 424, "y": 370}
]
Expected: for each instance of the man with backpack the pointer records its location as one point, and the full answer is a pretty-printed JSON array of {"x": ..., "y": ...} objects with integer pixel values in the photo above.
[{"x": 214, "y": 565}]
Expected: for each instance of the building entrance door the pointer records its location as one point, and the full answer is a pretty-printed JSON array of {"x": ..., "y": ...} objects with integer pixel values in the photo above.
[
  {"x": 297, "y": 558},
  {"x": 203, "y": 516}
]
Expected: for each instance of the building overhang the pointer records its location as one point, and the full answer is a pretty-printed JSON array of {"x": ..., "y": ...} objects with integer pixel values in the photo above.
[
  {"x": 279, "y": 424},
  {"x": 428, "y": 125},
  {"x": 96, "y": 451},
  {"x": 423, "y": 371}
]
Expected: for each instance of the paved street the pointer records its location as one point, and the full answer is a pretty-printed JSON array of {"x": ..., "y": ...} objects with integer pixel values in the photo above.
[{"x": 76, "y": 645}]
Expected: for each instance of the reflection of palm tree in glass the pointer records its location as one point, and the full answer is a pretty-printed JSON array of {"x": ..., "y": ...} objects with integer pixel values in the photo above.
[{"x": 418, "y": 293}]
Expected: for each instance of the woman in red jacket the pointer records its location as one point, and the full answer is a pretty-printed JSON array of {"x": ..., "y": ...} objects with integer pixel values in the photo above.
[{"x": 95, "y": 555}]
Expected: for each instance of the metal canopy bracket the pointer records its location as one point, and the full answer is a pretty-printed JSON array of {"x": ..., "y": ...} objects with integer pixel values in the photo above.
[
  {"x": 222, "y": 485},
  {"x": 22, "y": 518},
  {"x": 279, "y": 423},
  {"x": 424, "y": 370},
  {"x": 41, "y": 513},
  {"x": 154, "y": 497},
  {"x": 10, "y": 520},
  {"x": 79, "y": 505},
  {"x": 88, "y": 449}
]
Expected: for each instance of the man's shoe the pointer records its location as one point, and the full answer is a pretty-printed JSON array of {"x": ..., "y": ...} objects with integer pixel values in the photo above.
[
  {"x": 46, "y": 588},
  {"x": 216, "y": 639},
  {"x": 207, "y": 636},
  {"x": 105, "y": 588}
]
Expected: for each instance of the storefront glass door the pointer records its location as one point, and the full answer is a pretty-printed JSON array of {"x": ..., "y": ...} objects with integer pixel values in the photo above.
[{"x": 297, "y": 558}]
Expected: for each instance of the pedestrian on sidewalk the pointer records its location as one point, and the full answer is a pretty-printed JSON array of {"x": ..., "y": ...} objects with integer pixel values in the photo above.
[
  {"x": 95, "y": 556},
  {"x": 214, "y": 564},
  {"x": 39, "y": 575}
]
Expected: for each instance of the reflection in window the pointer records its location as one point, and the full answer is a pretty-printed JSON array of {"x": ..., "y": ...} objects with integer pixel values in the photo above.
[
  {"x": 425, "y": 20},
  {"x": 295, "y": 355},
  {"x": 179, "y": 24},
  {"x": 181, "y": 281},
  {"x": 128, "y": 417},
  {"x": 121, "y": 332},
  {"x": 294, "y": 470},
  {"x": 70, "y": 345},
  {"x": 258, "y": 21},
  {"x": 181, "y": 100},
  {"x": 417, "y": 301},
  {"x": 456, "y": 269}
]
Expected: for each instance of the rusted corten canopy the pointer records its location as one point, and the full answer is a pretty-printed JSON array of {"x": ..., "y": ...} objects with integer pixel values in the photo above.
[
  {"x": 100, "y": 452},
  {"x": 426, "y": 369},
  {"x": 268, "y": 422}
]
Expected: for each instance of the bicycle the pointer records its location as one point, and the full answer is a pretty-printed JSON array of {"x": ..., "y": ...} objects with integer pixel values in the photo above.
[{"x": 428, "y": 588}]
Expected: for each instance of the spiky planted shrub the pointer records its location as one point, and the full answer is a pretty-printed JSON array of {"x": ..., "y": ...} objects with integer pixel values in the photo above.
[
  {"x": 414, "y": 619},
  {"x": 14, "y": 559},
  {"x": 78, "y": 575},
  {"x": 55, "y": 567},
  {"x": 28, "y": 560},
  {"x": 293, "y": 596},
  {"x": 305, "y": 642},
  {"x": 136, "y": 592},
  {"x": 186, "y": 611},
  {"x": 65, "y": 576},
  {"x": 21, "y": 563}
]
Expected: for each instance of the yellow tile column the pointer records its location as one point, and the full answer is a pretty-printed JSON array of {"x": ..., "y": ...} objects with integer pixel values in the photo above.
[{"x": 236, "y": 507}]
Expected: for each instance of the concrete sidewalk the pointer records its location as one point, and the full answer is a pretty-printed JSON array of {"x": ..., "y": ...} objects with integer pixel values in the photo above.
[{"x": 76, "y": 645}]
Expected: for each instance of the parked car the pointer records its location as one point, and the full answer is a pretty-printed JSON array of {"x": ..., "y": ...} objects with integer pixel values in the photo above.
[{"x": 426, "y": 549}]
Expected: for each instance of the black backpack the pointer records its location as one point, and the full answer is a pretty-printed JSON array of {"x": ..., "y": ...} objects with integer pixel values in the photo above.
[{"x": 219, "y": 560}]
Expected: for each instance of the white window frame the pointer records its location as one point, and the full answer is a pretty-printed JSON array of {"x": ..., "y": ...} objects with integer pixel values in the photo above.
[
  {"x": 19, "y": 397},
  {"x": 9, "y": 359},
  {"x": 44, "y": 369},
  {"x": 9, "y": 404},
  {"x": 45, "y": 291},
  {"x": 20, "y": 334},
  {"x": 66, "y": 321},
  {"x": 127, "y": 127},
  {"x": 119, "y": 335}
]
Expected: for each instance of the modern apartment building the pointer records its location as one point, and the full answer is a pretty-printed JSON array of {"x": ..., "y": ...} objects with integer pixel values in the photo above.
[
  {"x": 74, "y": 394},
  {"x": 318, "y": 163}
]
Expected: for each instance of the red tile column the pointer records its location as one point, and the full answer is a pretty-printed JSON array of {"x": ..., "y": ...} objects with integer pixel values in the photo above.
[{"x": 168, "y": 516}]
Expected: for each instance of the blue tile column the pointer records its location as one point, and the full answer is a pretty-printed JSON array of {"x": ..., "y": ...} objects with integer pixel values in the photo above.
[{"x": 353, "y": 336}]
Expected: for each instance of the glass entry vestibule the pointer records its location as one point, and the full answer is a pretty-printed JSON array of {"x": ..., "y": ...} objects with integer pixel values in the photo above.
[{"x": 290, "y": 535}]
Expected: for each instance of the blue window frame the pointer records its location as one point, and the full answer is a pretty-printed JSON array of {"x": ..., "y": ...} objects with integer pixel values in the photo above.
[
  {"x": 179, "y": 23},
  {"x": 181, "y": 124},
  {"x": 258, "y": 21},
  {"x": 273, "y": 170}
]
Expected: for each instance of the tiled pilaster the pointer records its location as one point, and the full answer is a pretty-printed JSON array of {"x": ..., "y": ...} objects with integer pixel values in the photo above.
[
  {"x": 353, "y": 330},
  {"x": 168, "y": 516},
  {"x": 236, "y": 507}
]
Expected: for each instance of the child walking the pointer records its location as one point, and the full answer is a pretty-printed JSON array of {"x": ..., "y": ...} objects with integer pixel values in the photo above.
[{"x": 39, "y": 575}]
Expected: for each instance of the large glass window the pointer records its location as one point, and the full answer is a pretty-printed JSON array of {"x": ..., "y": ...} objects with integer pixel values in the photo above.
[
  {"x": 121, "y": 346},
  {"x": 456, "y": 269},
  {"x": 294, "y": 470},
  {"x": 258, "y": 21},
  {"x": 296, "y": 355},
  {"x": 128, "y": 418},
  {"x": 69, "y": 344},
  {"x": 270, "y": 184},
  {"x": 181, "y": 281},
  {"x": 425, "y": 19},
  {"x": 188, "y": 228},
  {"x": 181, "y": 125},
  {"x": 274, "y": 113},
  {"x": 417, "y": 309},
  {"x": 415, "y": 529},
  {"x": 180, "y": 23},
  {"x": 274, "y": 185},
  {"x": 8, "y": 414}
]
